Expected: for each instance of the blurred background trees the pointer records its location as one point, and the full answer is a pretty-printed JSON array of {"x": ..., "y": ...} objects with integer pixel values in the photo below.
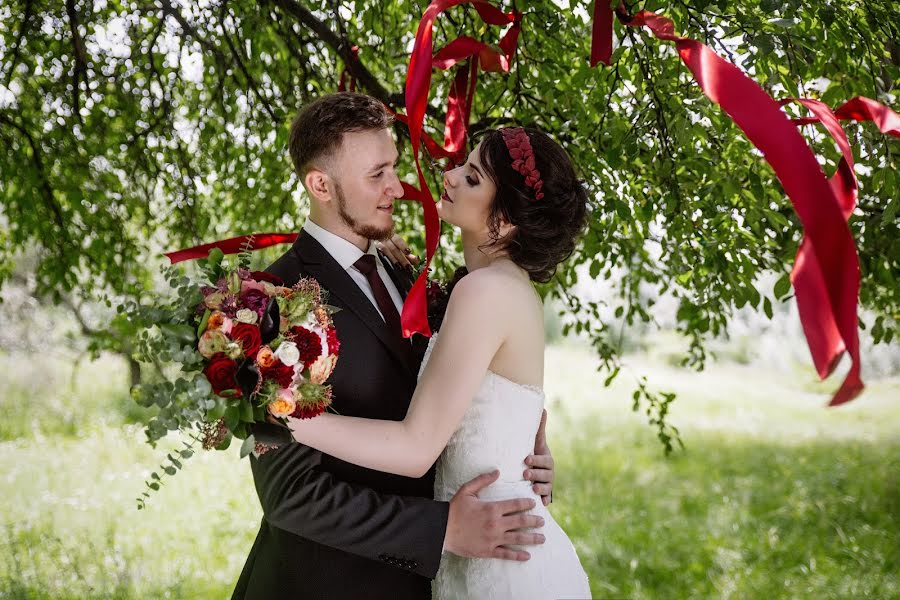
[{"x": 132, "y": 128}]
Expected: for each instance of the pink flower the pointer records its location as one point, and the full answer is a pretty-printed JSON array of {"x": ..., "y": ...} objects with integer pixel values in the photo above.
[{"x": 249, "y": 284}]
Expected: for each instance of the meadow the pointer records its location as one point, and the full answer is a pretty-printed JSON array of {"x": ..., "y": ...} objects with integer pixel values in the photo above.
[{"x": 774, "y": 496}]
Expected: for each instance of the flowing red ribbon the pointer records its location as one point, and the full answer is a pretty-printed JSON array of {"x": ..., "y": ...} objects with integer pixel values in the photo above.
[
  {"x": 233, "y": 245},
  {"x": 602, "y": 33},
  {"x": 861, "y": 109},
  {"x": 414, "y": 317},
  {"x": 826, "y": 275},
  {"x": 823, "y": 336}
]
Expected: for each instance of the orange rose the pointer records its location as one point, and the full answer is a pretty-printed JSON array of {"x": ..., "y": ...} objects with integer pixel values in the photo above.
[
  {"x": 265, "y": 358},
  {"x": 283, "y": 405},
  {"x": 219, "y": 322}
]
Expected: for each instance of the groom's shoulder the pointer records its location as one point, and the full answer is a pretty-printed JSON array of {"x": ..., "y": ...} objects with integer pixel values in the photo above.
[{"x": 288, "y": 267}]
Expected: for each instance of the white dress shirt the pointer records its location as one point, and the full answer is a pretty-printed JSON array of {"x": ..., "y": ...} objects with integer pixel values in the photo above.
[{"x": 346, "y": 254}]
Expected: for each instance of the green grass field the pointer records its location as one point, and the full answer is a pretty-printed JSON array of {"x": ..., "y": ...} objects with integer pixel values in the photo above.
[{"x": 774, "y": 496}]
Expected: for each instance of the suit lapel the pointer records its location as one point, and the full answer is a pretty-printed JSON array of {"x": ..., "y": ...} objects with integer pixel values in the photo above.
[{"x": 331, "y": 276}]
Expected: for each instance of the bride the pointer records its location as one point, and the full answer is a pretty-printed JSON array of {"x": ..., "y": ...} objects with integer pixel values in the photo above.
[{"x": 520, "y": 208}]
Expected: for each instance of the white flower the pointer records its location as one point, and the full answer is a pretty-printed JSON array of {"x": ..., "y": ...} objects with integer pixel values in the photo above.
[
  {"x": 233, "y": 350},
  {"x": 288, "y": 353},
  {"x": 245, "y": 315}
]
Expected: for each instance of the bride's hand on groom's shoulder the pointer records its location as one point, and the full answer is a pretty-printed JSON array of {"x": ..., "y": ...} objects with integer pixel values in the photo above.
[
  {"x": 397, "y": 251},
  {"x": 540, "y": 464}
]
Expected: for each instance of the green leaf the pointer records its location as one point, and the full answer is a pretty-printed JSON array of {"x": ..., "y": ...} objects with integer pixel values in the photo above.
[
  {"x": 767, "y": 307},
  {"x": 225, "y": 443},
  {"x": 890, "y": 211},
  {"x": 215, "y": 257},
  {"x": 204, "y": 322},
  {"x": 217, "y": 411},
  {"x": 248, "y": 446},
  {"x": 782, "y": 286},
  {"x": 611, "y": 377},
  {"x": 232, "y": 416},
  {"x": 246, "y": 412}
]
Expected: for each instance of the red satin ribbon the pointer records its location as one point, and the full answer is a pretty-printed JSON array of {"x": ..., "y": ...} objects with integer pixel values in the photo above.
[
  {"x": 826, "y": 277},
  {"x": 861, "y": 108},
  {"x": 601, "y": 33},
  {"x": 233, "y": 245},
  {"x": 414, "y": 317},
  {"x": 822, "y": 333}
]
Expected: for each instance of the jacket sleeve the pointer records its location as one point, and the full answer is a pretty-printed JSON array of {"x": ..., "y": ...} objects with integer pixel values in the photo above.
[{"x": 299, "y": 497}]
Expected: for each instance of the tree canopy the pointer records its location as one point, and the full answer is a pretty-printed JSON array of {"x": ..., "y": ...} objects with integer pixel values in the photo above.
[{"x": 128, "y": 128}]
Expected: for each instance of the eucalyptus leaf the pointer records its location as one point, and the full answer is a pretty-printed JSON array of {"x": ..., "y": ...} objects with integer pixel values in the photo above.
[{"x": 248, "y": 446}]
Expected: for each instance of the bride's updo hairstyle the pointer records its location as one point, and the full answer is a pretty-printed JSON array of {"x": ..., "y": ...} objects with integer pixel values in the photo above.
[{"x": 546, "y": 202}]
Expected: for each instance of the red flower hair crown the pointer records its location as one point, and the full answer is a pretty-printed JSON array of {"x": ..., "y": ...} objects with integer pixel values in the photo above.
[{"x": 522, "y": 155}]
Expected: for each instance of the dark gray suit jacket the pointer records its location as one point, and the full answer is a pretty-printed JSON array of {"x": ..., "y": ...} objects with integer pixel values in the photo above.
[{"x": 332, "y": 529}]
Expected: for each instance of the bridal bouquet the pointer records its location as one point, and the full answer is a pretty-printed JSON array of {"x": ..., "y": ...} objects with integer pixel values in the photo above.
[{"x": 230, "y": 350}]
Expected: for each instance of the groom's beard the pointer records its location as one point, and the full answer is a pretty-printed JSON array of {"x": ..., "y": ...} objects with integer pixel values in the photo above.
[{"x": 370, "y": 232}]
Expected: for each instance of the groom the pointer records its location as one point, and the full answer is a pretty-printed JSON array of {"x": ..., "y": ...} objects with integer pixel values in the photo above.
[{"x": 332, "y": 529}]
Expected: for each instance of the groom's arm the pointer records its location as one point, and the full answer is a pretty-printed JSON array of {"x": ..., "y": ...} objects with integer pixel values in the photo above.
[{"x": 299, "y": 497}]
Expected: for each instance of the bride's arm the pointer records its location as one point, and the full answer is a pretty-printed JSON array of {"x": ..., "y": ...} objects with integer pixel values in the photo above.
[{"x": 471, "y": 334}]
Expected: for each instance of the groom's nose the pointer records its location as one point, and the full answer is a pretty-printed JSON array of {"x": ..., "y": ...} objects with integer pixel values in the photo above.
[{"x": 394, "y": 189}]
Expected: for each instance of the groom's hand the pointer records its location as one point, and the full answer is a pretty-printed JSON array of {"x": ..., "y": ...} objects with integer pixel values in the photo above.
[
  {"x": 480, "y": 529},
  {"x": 540, "y": 464}
]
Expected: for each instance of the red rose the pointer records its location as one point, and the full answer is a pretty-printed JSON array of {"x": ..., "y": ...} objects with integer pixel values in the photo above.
[
  {"x": 221, "y": 372},
  {"x": 334, "y": 344},
  {"x": 263, "y": 276},
  {"x": 308, "y": 343},
  {"x": 248, "y": 337},
  {"x": 280, "y": 373}
]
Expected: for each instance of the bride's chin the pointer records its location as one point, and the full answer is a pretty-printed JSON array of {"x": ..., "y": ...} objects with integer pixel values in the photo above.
[{"x": 442, "y": 213}]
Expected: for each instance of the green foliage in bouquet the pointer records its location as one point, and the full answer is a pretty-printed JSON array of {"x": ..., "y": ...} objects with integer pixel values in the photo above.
[
  {"x": 229, "y": 349},
  {"x": 167, "y": 344}
]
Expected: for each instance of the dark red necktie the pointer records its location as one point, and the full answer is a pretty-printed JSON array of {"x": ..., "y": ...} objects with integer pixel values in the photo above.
[{"x": 366, "y": 265}]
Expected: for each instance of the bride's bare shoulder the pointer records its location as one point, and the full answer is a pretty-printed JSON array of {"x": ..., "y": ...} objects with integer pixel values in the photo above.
[{"x": 490, "y": 285}]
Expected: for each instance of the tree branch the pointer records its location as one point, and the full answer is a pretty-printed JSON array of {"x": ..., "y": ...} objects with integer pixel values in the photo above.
[
  {"x": 191, "y": 31},
  {"x": 79, "y": 72},
  {"x": 359, "y": 71},
  {"x": 17, "y": 46},
  {"x": 251, "y": 82},
  {"x": 46, "y": 189}
]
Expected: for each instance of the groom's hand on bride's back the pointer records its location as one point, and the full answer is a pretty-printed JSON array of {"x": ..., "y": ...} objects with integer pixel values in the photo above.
[{"x": 482, "y": 529}]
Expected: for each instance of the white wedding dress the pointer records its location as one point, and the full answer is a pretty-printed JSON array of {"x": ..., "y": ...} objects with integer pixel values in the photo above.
[{"x": 498, "y": 431}]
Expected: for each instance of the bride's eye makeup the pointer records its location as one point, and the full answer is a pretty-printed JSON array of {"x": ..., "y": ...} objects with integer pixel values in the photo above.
[{"x": 471, "y": 181}]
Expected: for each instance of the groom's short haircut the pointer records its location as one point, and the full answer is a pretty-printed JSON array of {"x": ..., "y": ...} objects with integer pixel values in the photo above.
[{"x": 318, "y": 130}]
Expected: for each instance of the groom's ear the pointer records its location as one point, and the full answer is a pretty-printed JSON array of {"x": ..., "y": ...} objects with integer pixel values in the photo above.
[{"x": 318, "y": 184}]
